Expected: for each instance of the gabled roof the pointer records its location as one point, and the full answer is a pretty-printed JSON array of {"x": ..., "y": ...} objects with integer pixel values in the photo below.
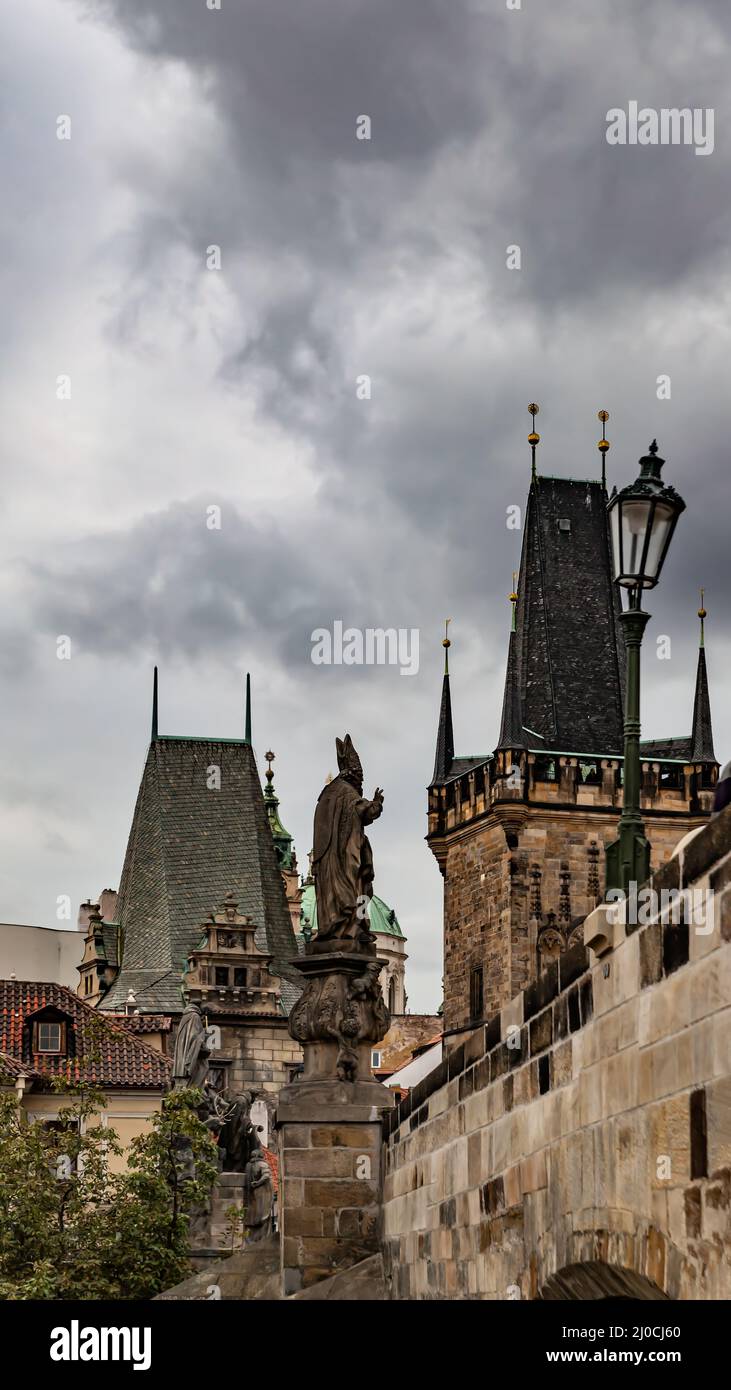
[
  {"x": 570, "y": 652},
  {"x": 144, "y": 1023},
  {"x": 100, "y": 1052},
  {"x": 200, "y": 831}
]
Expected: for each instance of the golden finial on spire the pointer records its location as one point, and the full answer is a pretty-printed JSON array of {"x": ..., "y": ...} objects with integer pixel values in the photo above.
[
  {"x": 533, "y": 437},
  {"x": 269, "y": 756},
  {"x": 702, "y": 614},
  {"x": 446, "y": 644},
  {"x": 603, "y": 446}
]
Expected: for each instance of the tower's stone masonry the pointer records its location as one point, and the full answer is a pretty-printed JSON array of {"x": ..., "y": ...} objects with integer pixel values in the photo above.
[{"x": 520, "y": 878}]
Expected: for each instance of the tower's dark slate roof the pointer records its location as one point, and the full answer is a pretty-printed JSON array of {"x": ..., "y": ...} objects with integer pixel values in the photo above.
[
  {"x": 702, "y": 736},
  {"x": 188, "y": 847},
  {"x": 511, "y": 724},
  {"x": 445, "y": 737},
  {"x": 676, "y": 749},
  {"x": 570, "y": 650}
]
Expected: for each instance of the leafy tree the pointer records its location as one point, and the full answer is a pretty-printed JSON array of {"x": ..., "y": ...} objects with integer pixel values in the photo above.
[{"x": 70, "y": 1228}]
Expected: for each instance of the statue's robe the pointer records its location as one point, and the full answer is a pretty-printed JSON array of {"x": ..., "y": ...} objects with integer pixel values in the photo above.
[
  {"x": 190, "y": 1060},
  {"x": 342, "y": 860}
]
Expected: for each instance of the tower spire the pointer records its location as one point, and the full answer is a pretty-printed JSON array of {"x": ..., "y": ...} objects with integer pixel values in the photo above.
[
  {"x": 701, "y": 739},
  {"x": 445, "y": 737},
  {"x": 603, "y": 446},
  {"x": 154, "y": 706},
  {"x": 247, "y": 725},
  {"x": 286, "y": 857},
  {"x": 511, "y": 724},
  {"x": 533, "y": 440}
]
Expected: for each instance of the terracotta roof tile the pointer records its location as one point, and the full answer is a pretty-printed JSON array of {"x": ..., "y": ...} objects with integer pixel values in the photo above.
[{"x": 100, "y": 1050}]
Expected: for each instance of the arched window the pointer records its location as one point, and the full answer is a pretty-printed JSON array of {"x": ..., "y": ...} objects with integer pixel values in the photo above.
[{"x": 392, "y": 994}]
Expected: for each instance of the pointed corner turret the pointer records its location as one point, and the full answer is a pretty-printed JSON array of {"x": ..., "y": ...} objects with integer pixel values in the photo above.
[
  {"x": 701, "y": 739},
  {"x": 286, "y": 857},
  {"x": 247, "y": 723},
  {"x": 445, "y": 735},
  {"x": 153, "y": 732},
  {"x": 511, "y": 724}
]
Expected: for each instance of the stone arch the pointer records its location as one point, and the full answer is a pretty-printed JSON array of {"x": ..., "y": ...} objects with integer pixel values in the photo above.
[
  {"x": 609, "y": 1255},
  {"x": 593, "y": 1279}
]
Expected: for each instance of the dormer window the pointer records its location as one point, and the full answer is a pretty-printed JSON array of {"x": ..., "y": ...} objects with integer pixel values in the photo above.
[{"x": 49, "y": 1038}]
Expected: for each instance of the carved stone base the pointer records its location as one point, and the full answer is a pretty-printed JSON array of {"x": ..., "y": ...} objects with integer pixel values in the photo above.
[{"x": 340, "y": 1012}]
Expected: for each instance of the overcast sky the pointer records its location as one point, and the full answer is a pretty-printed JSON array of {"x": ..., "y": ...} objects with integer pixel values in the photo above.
[{"x": 194, "y": 387}]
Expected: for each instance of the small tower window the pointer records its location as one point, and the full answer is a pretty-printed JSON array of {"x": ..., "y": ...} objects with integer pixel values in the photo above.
[
  {"x": 476, "y": 993},
  {"x": 392, "y": 995},
  {"x": 221, "y": 975},
  {"x": 240, "y": 976},
  {"x": 564, "y": 523}
]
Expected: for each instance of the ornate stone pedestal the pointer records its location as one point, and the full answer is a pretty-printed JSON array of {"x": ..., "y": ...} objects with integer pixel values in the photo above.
[{"x": 329, "y": 1122}]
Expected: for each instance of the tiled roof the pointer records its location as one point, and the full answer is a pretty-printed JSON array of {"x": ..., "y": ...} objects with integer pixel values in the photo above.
[
  {"x": 101, "y": 1051},
  {"x": 189, "y": 847},
  {"x": 10, "y": 1066},
  {"x": 144, "y": 1023},
  {"x": 273, "y": 1162},
  {"x": 674, "y": 748},
  {"x": 569, "y": 644},
  {"x": 110, "y": 936}
]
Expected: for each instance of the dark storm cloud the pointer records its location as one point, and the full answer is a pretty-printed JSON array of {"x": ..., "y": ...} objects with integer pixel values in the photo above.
[
  {"x": 488, "y": 130},
  {"x": 339, "y": 258}
]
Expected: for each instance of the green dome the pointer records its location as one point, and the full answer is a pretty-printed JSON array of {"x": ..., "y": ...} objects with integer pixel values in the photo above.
[{"x": 382, "y": 917}]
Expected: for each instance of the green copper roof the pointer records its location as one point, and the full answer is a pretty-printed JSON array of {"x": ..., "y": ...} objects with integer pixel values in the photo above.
[
  {"x": 281, "y": 837},
  {"x": 382, "y": 917}
]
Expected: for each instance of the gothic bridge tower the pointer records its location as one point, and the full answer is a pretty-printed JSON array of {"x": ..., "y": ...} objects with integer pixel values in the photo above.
[{"x": 520, "y": 833}]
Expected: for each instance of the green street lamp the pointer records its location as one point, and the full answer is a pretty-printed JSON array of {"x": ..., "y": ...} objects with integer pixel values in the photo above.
[{"x": 642, "y": 519}]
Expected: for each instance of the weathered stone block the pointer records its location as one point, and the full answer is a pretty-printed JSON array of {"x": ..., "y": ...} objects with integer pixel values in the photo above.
[
  {"x": 718, "y": 1121},
  {"x": 338, "y": 1192},
  {"x": 650, "y": 955},
  {"x": 318, "y": 1163},
  {"x": 541, "y": 1032}
]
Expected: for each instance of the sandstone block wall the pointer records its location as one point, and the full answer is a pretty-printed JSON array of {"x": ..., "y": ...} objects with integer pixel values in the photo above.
[
  {"x": 332, "y": 1182},
  {"x": 582, "y": 1139}
]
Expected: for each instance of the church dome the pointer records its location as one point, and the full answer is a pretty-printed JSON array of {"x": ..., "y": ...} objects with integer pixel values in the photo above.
[{"x": 382, "y": 917}]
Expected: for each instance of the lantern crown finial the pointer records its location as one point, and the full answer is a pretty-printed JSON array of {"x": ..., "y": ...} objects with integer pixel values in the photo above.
[
  {"x": 642, "y": 518},
  {"x": 603, "y": 446},
  {"x": 533, "y": 438}
]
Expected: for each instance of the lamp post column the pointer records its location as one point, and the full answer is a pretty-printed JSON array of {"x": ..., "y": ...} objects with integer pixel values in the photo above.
[{"x": 628, "y": 858}]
